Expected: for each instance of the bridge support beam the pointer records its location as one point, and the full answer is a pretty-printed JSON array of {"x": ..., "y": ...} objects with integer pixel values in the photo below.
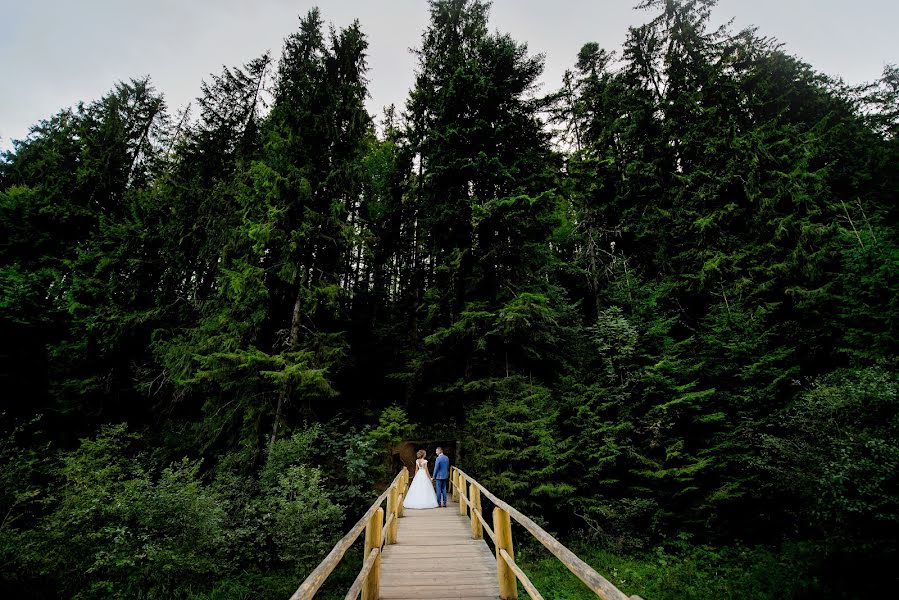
[
  {"x": 403, "y": 487},
  {"x": 371, "y": 590},
  {"x": 474, "y": 498},
  {"x": 392, "y": 514},
  {"x": 502, "y": 529},
  {"x": 463, "y": 504}
]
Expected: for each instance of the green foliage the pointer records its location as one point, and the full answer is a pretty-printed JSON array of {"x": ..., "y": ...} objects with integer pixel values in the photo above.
[
  {"x": 109, "y": 524},
  {"x": 303, "y": 517},
  {"x": 393, "y": 427},
  {"x": 658, "y": 302},
  {"x": 836, "y": 450},
  {"x": 346, "y": 458},
  {"x": 682, "y": 571},
  {"x": 515, "y": 432},
  {"x": 112, "y": 529}
]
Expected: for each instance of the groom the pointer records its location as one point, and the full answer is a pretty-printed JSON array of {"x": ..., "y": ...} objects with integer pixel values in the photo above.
[{"x": 441, "y": 475}]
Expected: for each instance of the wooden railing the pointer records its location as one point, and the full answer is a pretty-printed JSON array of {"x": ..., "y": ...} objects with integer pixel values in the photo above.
[
  {"x": 468, "y": 492},
  {"x": 377, "y": 533}
]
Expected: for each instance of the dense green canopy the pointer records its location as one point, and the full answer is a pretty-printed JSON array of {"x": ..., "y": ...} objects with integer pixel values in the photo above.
[{"x": 659, "y": 303}]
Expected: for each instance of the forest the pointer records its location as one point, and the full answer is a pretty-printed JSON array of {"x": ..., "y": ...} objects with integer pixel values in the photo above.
[{"x": 657, "y": 306}]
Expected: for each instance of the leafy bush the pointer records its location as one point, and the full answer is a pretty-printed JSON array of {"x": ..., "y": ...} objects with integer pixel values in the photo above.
[
  {"x": 347, "y": 457},
  {"x": 109, "y": 527},
  {"x": 517, "y": 444},
  {"x": 100, "y": 521},
  {"x": 836, "y": 455},
  {"x": 393, "y": 427}
]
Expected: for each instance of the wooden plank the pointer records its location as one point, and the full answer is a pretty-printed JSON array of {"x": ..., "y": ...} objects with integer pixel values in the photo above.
[
  {"x": 461, "y": 563},
  {"x": 479, "y": 560},
  {"x": 473, "y": 564},
  {"x": 415, "y": 537},
  {"x": 468, "y": 560},
  {"x": 435, "y": 551},
  {"x": 416, "y": 534},
  {"x": 455, "y": 597},
  {"x": 417, "y": 517},
  {"x": 426, "y": 591},
  {"x": 441, "y": 542},
  {"x": 485, "y": 582},
  {"x": 443, "y": 597},
  {"x": 436, "y": 558},
  {"x": 450, "y": 528},
  {"x": 437, "y": 576}
]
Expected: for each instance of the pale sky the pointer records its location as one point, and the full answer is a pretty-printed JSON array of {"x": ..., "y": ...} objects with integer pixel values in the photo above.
[{"x": 54, "y": 53}]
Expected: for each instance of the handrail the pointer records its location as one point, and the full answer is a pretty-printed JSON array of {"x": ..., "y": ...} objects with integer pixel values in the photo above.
[
  {"x": 525, "y": 581},
  {"x": 387, "y": 524},
  {"x": 601, "y": 586},
  {"x": 394, "y": 494},
  {"x": 356, "y": 588},
  {"x": 485, "y": 526}
]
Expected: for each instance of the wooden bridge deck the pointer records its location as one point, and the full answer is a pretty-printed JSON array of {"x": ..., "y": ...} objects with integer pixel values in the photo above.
[
  {"x": 435, "y": 558},
  {"x": 432, "y": 554}
]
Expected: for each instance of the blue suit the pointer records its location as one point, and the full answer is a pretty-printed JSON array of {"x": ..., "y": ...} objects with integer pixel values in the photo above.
[{"x": 441, "y": 476}]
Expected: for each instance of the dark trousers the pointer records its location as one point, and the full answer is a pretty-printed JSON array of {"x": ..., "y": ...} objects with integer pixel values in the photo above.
[{"x": 441, "y": 491}]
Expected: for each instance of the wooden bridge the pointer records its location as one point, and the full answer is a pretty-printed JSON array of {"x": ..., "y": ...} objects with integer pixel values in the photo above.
[{"x": 441, "y": 553}]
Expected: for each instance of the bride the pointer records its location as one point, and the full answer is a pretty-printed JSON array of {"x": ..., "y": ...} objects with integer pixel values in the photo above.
[{"x": 421, "y": 494}]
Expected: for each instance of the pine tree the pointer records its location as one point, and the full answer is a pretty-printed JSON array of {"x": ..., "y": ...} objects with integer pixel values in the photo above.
[
  {"x": 81, "y": 180},
  {"x": 486, "y": 196},
  {"x": 267, "y": 339}
]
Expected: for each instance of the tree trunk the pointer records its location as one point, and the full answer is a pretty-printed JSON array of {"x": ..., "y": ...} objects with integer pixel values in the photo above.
[{"x": 292, "y": 345}]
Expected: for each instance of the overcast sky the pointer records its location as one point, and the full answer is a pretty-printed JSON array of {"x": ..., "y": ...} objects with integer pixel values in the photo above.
[{"x": 54, "y": 53}]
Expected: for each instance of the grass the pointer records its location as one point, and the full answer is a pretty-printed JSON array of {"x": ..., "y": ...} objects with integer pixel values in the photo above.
[{"x": 684, "y": 573}]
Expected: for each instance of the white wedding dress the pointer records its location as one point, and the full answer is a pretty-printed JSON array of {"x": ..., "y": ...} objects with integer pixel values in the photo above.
[{"x": 421, "y": 493}]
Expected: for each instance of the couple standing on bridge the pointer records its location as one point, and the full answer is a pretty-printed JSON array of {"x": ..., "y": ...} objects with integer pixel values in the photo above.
[{"x": 421, "y": 494}]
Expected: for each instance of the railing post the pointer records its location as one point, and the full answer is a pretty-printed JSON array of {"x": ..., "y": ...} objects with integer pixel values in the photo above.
[
  {"x": 372, "y": 588},
  {"x": 392, "y": 499},
  {"x": 462, "y": 503},
  {"x": 456, "y": 478},
  {"x": 502, "y": 529},
  {"x": 474, "y": 499},
  {"x": 402, "y": 493}
]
